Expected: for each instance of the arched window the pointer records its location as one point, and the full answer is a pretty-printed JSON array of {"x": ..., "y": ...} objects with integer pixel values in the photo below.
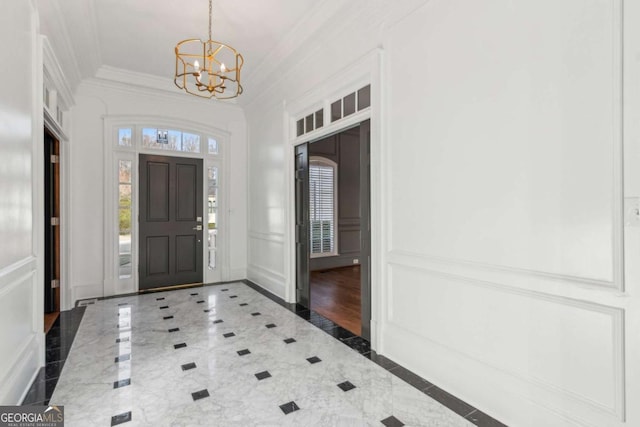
[{"x": 322, "y": 206}]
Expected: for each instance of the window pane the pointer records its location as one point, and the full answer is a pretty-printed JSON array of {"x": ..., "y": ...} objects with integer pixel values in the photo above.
[
  {"x": 300, "y": 127},
  {"x": 124, "y": 137},
  {"x": 349, "y": 104},
  {"x": 319, "y": 119},
  {"x": 364, "y": 97},
  {"x": 124, "y": 219},
  {"x": 212, "y": 214},
  {"x": 336, "y": 110},
  {"x": 124, "y": 171},
  {"x": 322, "y": 207},
  {"x": 309, "y": 123},
  {"x": 190, "y": 143},
  {"x": 150, "y": 138},
  {"x": 174, "y": 140},
  {"x": 213, "y": 146}
]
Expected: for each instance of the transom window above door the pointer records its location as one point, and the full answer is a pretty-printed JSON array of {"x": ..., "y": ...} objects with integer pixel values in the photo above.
[{"x": 167, "y": 139}]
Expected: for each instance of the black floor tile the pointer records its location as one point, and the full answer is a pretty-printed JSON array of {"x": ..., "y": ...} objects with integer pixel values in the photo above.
[
  {"x": 233, "y": 296},
  {"x": 263, "y": 375},
  {"x": 244, "y": 304},
  {"x": 178, "y": 346},
  {"x": 410, "y": 378},
  {"x": 194, "y": 294},
  {"x": 224, "y": 290},
  {"x": 167, "y": 317},
  {"x": 121, "y": 418},
  {"x": 218, "y": 321},
  {"x": 229, "y": 335},
  {"x": 40, "y": 391},
  {"x": 359, "y": 344},
  {"x": 289, "y": 407},
  {"x": 481, "y": 419},
  {"x": 122, "y": 383},
  {"x": 392, "y": 422},
  {"x": 382, "y": 361},
  {"x": 200, "y": 394},
  {"x": 123, "y": 303},
  {"x": 321, "y": 321},
  {"x": 271, "y": 325},
  {"x": 256, "y": 314},
  {"x": 56, "y": 354},
  {"x": 290, "y": 340},
  {"x": 160, "y": 299},
  {"x": 244, "y": 352},
  {"x": 346, "y": 386},
  {"x": 314, "y": 359},
  {"x": 340, "y": 333},
  {"x": 207, "y": 310},
  {"x": 123, "y": 339},
  {"x": 305, "y": 314},
  {"x": 174, "y": 330},
  {"x": 188, "y": 366},
  {"x": 200, "y": 302},
  {"x": 52, "y": 370},
  {"x": 449, "y": 400},
  {"x": 164, "y": 307}
]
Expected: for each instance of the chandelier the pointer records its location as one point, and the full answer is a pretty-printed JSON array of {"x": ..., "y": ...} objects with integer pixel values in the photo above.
[{"x": 208, "y": 69}]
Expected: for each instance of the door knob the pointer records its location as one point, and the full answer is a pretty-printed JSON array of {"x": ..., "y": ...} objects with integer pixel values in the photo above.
[{"x": 198, "y": 227}]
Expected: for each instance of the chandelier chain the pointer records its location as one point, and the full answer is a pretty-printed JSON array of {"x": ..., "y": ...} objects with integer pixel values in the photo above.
[{"x": 210, "y": 17}]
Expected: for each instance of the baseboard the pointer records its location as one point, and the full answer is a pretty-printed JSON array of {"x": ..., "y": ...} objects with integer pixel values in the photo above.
[
  {"x": 15, "y": 385},
  {"x": 266, "y": 279}
]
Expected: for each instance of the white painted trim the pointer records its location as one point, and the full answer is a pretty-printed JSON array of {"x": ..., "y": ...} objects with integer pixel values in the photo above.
[
  {"x": 365, "y": 70},
  {"x": 268, "y": 237},
  {"x": 112, "y": 284}
]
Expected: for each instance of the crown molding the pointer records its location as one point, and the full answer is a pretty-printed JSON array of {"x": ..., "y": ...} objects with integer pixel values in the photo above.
[
  {"x": 60, "y": 42},
  {"x": 54, "y": 72},
  {"x": 313, "y": 22},
  {"x": 148, "y": 85}
]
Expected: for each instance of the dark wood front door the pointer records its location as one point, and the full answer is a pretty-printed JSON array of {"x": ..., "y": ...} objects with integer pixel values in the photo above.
[
  {"x": 302, "y": 224},
  {"x": 171, "y": 209}
]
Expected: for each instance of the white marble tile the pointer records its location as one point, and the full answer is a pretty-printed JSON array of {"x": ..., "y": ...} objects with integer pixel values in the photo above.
[{"x": 160, "y": 390}]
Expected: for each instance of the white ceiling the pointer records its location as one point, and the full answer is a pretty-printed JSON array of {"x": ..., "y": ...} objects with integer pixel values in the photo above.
[{"x": 140, "y": 35}]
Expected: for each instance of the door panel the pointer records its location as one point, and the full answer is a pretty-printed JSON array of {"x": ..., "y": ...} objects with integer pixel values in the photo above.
[
  {"x": 185, "y": 192},
  {"x": 170, "y": 234},
  {"x": 51, "y": 223},
  {"x": 302, "y": 224},
  {"x": 365, "y": 227}
]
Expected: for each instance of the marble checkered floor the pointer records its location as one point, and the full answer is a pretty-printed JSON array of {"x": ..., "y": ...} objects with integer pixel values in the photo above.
[{"x": 226, "y": 356}]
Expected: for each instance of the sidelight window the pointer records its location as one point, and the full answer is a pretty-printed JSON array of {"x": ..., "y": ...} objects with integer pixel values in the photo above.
[
  {"x": 124, "y": 218},
  {"x": 322, "y": 206}
]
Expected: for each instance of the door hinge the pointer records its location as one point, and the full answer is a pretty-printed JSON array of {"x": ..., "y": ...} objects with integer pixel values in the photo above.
[
  {"x": 55, "y": 221},
  {"x": 55, "y": 284},
  {"x": 55, "y": 158}
]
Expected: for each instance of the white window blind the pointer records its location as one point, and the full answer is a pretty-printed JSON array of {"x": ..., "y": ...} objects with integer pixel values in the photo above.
[{"x": 322, "y": 207}]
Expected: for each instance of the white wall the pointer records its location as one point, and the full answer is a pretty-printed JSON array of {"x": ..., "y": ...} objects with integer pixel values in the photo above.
[
  {"x": 501, "y": 275},
  {"x": 96, "y": 99},
  {"x": 21, "y": 293}
]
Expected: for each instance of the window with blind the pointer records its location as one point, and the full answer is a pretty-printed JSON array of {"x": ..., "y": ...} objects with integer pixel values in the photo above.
[{"x": 322, "y": 207}]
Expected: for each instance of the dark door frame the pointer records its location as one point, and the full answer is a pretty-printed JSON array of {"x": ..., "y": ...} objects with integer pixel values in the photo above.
[
  {"x": 301, "y": 215},
  {"x": 52, "y": 234}
]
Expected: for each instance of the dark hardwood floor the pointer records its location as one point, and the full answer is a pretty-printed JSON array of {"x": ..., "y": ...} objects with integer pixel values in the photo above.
[{"x": 335, "y": 294}]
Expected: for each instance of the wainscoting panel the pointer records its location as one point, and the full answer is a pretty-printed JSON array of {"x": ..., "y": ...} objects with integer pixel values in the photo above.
[
  {"x": 266, "y": 268},
  {"x": 21, "y": 334},
  {"x": 572, "y": 350}
]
